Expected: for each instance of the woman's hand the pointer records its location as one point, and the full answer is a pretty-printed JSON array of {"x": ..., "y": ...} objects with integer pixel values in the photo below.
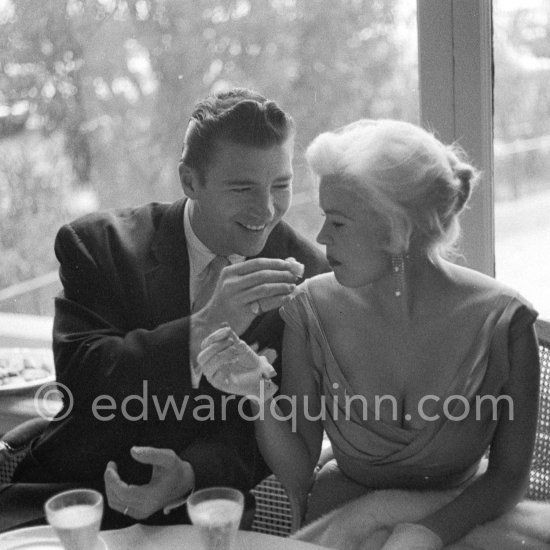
[
  {"x": 232, "y": 366},
  {"x": 406, "y": 536}
]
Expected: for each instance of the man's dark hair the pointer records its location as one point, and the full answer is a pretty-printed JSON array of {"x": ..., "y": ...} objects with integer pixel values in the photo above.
[{"x": 239, "y": 115}]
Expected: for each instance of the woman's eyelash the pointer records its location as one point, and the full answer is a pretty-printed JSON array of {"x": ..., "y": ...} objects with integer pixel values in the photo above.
[{"x": 333, "y": 223}]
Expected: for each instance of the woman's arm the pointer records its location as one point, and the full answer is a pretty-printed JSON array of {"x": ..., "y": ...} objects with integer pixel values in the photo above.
[
  {"x": 507, "y": 476},
  {"x": 291, "y": 431},
  {"x": 288, "y": 427}
]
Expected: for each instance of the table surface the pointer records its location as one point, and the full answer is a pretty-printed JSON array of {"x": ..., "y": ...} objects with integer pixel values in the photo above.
[
  {"x": 187, "y": 537},
  {"x": 147, "y": 537}
]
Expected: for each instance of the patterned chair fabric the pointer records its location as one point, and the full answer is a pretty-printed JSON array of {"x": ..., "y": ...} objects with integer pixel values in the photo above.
[
  {"x": 274, "y": 513},
  {"x": 539, "y": 486}
]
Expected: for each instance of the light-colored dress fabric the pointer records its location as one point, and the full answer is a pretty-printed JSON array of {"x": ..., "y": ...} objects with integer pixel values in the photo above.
[
  {"x": 472, "y": 340},
  {"x": 366, "y": 523}
]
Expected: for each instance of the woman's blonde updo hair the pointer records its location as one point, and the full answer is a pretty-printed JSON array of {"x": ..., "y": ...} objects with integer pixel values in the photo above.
[{"x": 415, "y": 183}]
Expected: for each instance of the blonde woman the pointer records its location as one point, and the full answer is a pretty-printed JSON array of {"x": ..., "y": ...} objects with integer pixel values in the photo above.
[{"x": 412, "y": 365}]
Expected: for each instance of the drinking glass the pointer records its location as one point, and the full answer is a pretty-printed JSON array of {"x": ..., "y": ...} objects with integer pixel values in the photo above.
[
  {"x": 75, "y": 516},
  {"x": 217, "y": 511}
]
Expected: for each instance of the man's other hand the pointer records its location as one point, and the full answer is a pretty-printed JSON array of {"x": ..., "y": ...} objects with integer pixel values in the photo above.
[{"x": 170, "y": 480}]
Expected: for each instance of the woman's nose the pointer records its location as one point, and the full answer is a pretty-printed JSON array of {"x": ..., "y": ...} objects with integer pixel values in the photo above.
[{"x": 323, "y": 236}]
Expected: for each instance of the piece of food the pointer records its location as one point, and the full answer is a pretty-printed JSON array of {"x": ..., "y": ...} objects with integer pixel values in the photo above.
[
  {"x": 19, "y": 366},
  {"x": 296, "y": 267}
]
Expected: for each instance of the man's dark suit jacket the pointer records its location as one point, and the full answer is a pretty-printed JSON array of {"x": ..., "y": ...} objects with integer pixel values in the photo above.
[{"x": 121, "y": 329}]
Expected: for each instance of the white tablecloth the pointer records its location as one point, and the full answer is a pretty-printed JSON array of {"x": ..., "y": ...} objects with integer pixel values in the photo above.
[{"x": 187, "y": 537}]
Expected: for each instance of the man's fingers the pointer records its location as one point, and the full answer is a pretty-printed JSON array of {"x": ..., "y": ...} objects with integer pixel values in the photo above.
[
  {"x": 126, "y": 499},
  {"x": 296, "y": 267},
  {"x": 273, "y": 302},
  {"x": 112, "y": 470},
  {"x": 118, "y": 492},
  {"x": 263, "y": 293},
  {"x": 242, "y": 283},
  {"x": 151, "y": 455},
  {"x": 112, "y": 478},
  {"x": 262, "y": 264}
]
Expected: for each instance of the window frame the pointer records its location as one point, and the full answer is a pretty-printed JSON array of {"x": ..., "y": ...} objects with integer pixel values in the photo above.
[{"x": 455, "y": 64}]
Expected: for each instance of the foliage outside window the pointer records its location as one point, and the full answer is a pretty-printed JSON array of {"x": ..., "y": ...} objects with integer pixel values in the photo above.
[
  {"x": 95, "y": 96},
  {"x": 522, "y": 147}
]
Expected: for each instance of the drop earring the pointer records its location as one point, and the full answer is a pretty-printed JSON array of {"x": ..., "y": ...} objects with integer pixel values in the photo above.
[{"x": 398, "y": 273}]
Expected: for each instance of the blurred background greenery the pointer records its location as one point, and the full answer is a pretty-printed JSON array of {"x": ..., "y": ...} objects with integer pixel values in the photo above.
[{"x": 95, "y": 96}]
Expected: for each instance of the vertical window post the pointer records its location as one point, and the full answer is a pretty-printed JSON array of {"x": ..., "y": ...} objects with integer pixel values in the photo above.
[{"x": 456, "y": 101}]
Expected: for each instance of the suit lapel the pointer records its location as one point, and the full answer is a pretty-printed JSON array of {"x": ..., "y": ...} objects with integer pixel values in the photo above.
[{"x": 168, "y": 280}]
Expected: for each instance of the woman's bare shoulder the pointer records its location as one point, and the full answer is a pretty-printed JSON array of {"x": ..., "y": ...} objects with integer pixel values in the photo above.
[
  {"x": 322, "y": 287},
  {"x": 471, "y": 280}
]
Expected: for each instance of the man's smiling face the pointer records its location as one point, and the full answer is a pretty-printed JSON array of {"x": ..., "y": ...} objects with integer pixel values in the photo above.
[{"x": 244, "y": 193}]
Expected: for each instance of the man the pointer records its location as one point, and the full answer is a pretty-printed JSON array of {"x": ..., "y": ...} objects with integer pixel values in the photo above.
[{"x": 142, "y": 288}]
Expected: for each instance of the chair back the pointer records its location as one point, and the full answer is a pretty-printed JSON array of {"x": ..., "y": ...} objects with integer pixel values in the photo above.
[
  {"x": 539, "y": 486},
  {"x": 275, "y": 514},
  {"x": 14, "y": 445}
]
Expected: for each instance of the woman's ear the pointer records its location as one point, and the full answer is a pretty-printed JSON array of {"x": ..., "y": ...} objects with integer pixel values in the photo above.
[{"x": 189, "y": 179}]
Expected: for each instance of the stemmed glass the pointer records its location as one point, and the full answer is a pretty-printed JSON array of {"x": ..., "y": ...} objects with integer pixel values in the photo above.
[
  {"x": 217, "y": 511},
  {"x": 75, "y": 516}
]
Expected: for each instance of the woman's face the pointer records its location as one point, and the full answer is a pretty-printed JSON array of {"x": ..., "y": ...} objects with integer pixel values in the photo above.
[{"x": 352, "y": 234}]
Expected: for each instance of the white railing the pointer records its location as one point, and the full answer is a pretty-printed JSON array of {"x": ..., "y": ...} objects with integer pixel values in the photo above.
[{"x": 34, "y": 296}]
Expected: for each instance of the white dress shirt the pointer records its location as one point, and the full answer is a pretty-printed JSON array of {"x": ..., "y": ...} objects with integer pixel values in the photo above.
[{"x": 199, "y": 258}]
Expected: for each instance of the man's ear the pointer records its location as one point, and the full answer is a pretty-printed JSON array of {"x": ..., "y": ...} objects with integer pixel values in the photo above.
[{"x": 189, "y": 179}]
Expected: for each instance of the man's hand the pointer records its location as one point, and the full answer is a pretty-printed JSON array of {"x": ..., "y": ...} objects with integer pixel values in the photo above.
[
  {"x": 249, "y": 288},
  {"x": 231, "y": 365},
  {"x": 171, "y": 479},
  {"x": 243, "y": 291}
]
